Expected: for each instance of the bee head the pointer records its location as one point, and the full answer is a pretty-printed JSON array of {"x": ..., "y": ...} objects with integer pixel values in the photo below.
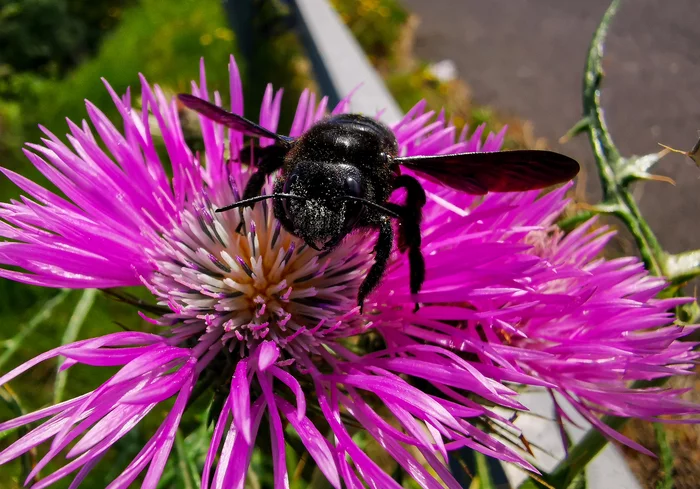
[{"x": 324, "y": 215}]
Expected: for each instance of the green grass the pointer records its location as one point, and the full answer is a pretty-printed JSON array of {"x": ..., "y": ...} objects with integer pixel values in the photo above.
[{"x": 163, "y": 40}]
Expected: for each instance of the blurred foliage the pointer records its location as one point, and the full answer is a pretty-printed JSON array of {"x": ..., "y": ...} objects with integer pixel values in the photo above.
[
  {"x": 39, "y": 35},
  {"x": 50, "y": 37},
  {"x": 277, "y": 58},
  {"x": 162, "y": 40},
  {"x": 377, "y": 24}
]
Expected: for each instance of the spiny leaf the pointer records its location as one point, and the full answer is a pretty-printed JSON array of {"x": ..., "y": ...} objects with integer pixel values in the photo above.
[
  {"x": 682, "y": 267},
  {"x": 687, "y": 314},
  {"x": 611, "y": 165},
  {"x": 636, "y": 168},
  {"x": 602, "y": 208},
  {"x": 603, "y": 147},
  {"x": 579, "y": 128},
  {"x": 570, "y": 223}
]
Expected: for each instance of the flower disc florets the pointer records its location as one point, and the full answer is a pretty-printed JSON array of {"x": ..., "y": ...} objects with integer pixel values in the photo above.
[{"x": 248, "y": 280}]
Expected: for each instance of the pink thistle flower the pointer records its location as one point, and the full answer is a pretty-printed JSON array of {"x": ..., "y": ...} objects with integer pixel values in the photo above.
[{"x": 506, "y": 300}]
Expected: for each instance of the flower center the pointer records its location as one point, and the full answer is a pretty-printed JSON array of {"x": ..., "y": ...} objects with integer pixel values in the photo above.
[{"x": 253, "y": 282}]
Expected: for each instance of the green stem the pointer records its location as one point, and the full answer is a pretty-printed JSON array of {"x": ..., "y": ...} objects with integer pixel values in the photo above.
[
  {"x": 587, "y": 448},
  {"x": 483, "y": 471},
  {"x": 582, "y": 453},
  {"x": 608, "y": 159},
  {"x": 185, "y": 464},
  {"x": 70, "y": 335},
  {"x": 650, "y": 250},
  {"x": 579, "y": 457},
  {"x": 666, "y": 457}
]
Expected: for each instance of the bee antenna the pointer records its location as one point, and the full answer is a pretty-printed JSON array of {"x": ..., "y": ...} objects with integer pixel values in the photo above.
[
  {"x": 369, "y": 203},
  {"x": 253, "y": 200}
]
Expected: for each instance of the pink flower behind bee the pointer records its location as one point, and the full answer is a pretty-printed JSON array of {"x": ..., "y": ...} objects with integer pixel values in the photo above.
[{"x": 507, "y": 300}]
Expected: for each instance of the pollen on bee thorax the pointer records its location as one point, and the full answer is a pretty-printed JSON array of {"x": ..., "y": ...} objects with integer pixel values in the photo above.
[{"x": 245, "y": 281}]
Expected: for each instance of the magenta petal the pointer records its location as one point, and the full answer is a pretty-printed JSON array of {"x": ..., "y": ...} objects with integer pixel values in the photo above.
[
  {"x": 239, "y": 400},
  {"x": 293, "y": 384},
  {"x": 166, "y": 440},
  {"x": 368, "y": 468},
  {"x": 41, "y": 413},
  {"x": 215, "y": 443},
  {"x": 268, "y": 353},
  {"x": 279, "y": 458},
  {"x": 163, "y": 388},
  {"x": 412, "y": 467},
  {"x": 314, "y": 441},
  {"x": 402, "y": 393},
  {"x": 87, "y": 468},
  {"x": 33, "y": 438},
  {"x": 101, "y": 357},
  {"x": 137, "y": 465},
  {"x": 231, "y": 470},
  {"x": 35, "y": 361},
  {"x": 112, "y": 422}
]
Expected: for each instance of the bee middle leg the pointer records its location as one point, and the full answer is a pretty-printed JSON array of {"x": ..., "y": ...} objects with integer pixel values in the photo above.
[{"x": 410, "y": 217}]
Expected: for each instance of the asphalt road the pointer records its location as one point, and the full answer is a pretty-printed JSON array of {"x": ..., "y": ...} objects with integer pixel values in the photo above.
[{"x": 526, "y": 57}]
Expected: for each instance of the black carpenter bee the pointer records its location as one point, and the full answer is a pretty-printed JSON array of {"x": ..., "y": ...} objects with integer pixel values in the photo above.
[{"x": 338, "y": 176}]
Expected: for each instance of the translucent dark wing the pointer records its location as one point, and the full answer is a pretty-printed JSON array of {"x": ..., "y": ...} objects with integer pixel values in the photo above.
[
  {"x": 229, "y": 119},
  {"x": 502, "y": 171}
]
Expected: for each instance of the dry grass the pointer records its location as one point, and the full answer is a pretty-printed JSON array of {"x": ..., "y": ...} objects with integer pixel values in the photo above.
[{"x": 683, "y": 439}]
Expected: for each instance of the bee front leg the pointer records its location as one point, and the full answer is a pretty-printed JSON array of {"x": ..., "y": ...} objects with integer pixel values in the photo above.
[
  {"x": 410, "y": 217},
  {"x": 382, "y": 252},
  {"x": 268, "y": 160}
]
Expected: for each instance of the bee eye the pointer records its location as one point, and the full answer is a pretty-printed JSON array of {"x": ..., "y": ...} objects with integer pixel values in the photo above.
[
  {"x": 354, "y": 210},
  {"x": 353, "y": 187}
]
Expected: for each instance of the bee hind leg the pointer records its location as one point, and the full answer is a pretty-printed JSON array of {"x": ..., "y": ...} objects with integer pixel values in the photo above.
[
  {"x": 410, "y": 217},
  {"x": 382, "y": 252}
]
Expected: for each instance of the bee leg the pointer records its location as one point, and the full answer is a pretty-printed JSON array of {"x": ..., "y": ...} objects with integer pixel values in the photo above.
[
  {"x": 382, "y": 252},
  {"x": 410, "y": 217},
  {"x": 269, "y": 160}
]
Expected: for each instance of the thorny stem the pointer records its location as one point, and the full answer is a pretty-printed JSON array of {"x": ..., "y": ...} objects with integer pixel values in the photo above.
[
  {"x": 616, "y": 173},
  {"x": 617, "y": 198}
]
